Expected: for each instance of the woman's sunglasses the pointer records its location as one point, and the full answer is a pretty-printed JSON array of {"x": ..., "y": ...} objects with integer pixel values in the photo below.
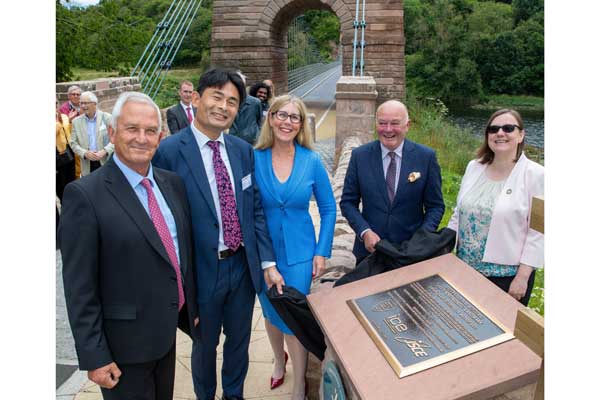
[{"x": 508, "y": 128}]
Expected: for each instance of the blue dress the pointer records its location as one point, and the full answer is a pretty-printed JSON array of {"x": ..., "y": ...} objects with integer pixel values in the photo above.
[{"x": 290, "y": 226}]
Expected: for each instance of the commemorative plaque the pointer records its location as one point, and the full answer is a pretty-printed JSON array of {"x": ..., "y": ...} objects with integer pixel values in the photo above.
[{"x": 426, "y": 323}]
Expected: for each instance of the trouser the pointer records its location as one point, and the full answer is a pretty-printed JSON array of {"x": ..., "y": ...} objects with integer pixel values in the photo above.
[
  {"x": 152, "y": 380},
  {"x": 231, "y": 308}
]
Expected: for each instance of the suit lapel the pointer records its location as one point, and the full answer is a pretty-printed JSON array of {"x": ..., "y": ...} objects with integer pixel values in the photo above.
[
  {"x": 117, "y": 185},
  {"x": 299, "y": 168},
  {"x": 84, "y": 139},
  {"x": 408, "y": 163},
  {"x": 235, "y": 161},
  {"x": 182, "y": 115},
  {"x": 265, "y": 161},
  {"x": 99, "y": 123},
  {"x": 193, "y": 157},
  {"x": 169, "y": 194},
  {"x": 377, "y": 170}
]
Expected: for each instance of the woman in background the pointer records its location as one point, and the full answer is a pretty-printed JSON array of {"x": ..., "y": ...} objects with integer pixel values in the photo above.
[
  {"x": 494, "y": 206},
  {"x": 288, "y": 173}
]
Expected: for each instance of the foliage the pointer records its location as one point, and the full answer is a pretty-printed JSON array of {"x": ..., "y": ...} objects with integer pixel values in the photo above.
[
  {"x": 114, "y": 33},
  {"x": 465, "y": 50},
  {"x": 325, "y": 29}
]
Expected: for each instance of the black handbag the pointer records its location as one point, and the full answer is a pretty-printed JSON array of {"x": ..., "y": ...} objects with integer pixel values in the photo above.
[{"x": 64, "y": 158}]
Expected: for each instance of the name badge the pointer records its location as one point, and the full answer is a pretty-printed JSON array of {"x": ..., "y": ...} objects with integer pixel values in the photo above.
[{"x": 246, "y": 182}]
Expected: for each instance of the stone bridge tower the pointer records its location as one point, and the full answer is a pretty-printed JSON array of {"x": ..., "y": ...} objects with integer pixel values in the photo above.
[{"x": 252, "y": 35}]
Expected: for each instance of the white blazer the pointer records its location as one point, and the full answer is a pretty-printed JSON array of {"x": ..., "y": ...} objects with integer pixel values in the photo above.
[{"x": 510, "y": 239}]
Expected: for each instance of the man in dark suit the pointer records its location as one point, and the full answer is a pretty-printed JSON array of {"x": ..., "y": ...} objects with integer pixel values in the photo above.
[
  {"x": 128, "y": 274},
  {"x": 231, "y": 242},
  {"x": 398, "y": 182},
  {"x": 181, "y": 115}
]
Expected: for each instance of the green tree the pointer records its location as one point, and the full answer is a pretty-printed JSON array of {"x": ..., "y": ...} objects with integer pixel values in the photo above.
[
  {"x": 66, "y": 32},
  {"x": 524, "y": 9},
  {"x": 324, "y": 28}
]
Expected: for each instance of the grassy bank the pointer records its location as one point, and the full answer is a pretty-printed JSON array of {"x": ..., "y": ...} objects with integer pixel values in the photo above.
[
  {"x": 523, "y": 103},
  {"x": 455, "y": 147}
]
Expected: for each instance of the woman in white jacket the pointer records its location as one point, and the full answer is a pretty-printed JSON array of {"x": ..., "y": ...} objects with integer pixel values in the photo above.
[{"x": 493, "y": 208}]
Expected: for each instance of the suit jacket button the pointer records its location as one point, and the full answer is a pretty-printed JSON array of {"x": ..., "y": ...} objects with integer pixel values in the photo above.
[
  {"x": 174, "y": 279},
  {"x": 175, "y": 303},
  {"x": 216, "y": 225}
]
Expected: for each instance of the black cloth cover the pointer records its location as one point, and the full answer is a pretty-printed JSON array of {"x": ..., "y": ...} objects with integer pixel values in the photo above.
[
  {"x": 422, "y": 246},
  {"x": 293, "y": 309},
  {"x": 292, "y": 305}
]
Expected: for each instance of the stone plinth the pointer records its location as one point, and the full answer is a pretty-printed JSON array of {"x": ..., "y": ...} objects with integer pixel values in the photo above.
[
  {"x": 494, "y": 371},
  {"x": 355, "y": 99},
  {"x": 106, "y": 89}
]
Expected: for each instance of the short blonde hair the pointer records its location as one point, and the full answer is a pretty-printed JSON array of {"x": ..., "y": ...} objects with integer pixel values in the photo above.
[{"x": 304, "y": 136}]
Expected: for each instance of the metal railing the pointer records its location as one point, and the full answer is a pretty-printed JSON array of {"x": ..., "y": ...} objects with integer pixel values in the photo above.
[
  {"x": 299, "y": 76},
  {"x": 157, "y": 58}
]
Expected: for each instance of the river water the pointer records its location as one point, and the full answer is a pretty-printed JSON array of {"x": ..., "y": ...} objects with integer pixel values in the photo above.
[{"x": 475, "y": 120}]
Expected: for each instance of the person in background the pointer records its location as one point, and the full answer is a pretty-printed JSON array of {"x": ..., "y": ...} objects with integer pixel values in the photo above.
[
  {"x": 89, "y": 138},
  {"x": 248, "y": 121},
  {"x": 181, "y": 115},
  {"x": 397, "y": 181},
  {"x": 288, "y": 174},
  {"x": 493, "y": 208},
  {"x": 262, "y": 91},
  {"x": 65, "y": 160},
  {"x": 71, "y": 107},
  {"x": 271, "y": 86}
]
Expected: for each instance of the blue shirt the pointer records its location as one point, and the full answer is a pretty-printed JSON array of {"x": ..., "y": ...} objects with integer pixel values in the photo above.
[
  {"x": 135, "y": 180},
  {"x": 91, "y": 130}
]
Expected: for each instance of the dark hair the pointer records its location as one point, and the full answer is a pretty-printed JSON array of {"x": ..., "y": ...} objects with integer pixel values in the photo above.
[
  {"x": 484, "y": 153},
  {"x": 218, "y": 77},
  {"x": 260, "y": 85}
]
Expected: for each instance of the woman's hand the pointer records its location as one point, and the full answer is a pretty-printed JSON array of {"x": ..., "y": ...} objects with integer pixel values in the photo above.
[
  {"x": 518, "y": 286},
  {"x": 273, "y": 277},
  {"x": 318, "y": 265}
]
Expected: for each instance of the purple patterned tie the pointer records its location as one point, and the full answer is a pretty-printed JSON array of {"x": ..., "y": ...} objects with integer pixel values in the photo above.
[
  {"x": 232, "y": 234},
  {"x": 165, "y": 236},
  {"x": 390, "y": 177}
]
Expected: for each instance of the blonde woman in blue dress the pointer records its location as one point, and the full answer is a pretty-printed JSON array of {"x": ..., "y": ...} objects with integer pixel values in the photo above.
[
  {"x": 288, "y": 173},
  {"x": 494, "y": 206}
]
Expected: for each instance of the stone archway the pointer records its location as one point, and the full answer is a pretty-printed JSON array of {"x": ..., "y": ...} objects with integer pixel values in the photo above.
[{"x": 252, "y": 35}]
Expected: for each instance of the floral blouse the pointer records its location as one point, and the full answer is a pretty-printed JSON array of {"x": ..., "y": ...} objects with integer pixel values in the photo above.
[{"x": 475, "y": 215}]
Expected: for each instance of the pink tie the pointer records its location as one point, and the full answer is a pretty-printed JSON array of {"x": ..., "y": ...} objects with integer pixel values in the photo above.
[
  {"x": 165, "y": 236},
  {"x": 189, "y": 114}
]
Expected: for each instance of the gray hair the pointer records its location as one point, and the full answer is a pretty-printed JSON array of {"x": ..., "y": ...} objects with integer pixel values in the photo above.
[
  {"x": 135, "y": 97},
  {"x": 73, "y": 88},
  {"x": 89, "y": 95}
]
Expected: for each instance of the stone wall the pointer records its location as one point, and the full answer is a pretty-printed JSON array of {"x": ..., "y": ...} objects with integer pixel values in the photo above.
[
  {"x": 252, "y": 35},
  {"x": 106, "y": 89}
]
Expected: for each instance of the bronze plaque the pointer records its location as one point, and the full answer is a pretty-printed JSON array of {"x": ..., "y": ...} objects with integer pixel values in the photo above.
[{"x": 426, "y": 323}]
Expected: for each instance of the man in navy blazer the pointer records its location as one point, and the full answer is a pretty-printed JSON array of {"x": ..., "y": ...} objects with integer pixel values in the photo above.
[
  {"x": 398, "y": 182},
  {"x": 180, "y": 115},
  {"x": 228, "y": 278}
]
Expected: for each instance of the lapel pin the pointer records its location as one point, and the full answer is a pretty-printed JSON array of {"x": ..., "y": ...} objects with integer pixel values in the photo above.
[
  {"x": 413, "y": 176},
  {"x": 508, "y": 191}
]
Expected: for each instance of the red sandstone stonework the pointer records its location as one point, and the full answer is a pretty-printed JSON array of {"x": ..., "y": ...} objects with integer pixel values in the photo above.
[{"x": 252, "y": 35}]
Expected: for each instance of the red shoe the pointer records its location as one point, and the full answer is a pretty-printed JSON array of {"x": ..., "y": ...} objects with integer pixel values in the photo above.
[{"x": 276, "y": 382}]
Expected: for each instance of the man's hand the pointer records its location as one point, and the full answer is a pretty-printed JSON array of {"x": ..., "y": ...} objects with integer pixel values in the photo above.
[
  {"x": 106, "y": 377},
  {"x": 273, "y": 277},
  {"x": 370, "y": 238},
  {"x": 318, "y": 265},
  {"x": 72, "y": 114},
  {"x": 518, "y": 286},
  {"x": 101, "y": 154},
  {"x": 90, "y": 155}
]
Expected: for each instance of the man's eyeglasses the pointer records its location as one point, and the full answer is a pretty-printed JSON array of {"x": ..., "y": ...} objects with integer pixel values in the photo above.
[
  {"x": 508, "y": 128},
  {"x": 282, "y": 116}
]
